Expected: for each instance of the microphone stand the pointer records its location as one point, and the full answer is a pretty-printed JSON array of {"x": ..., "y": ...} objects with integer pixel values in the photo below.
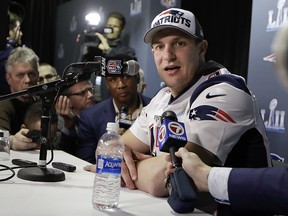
[
  {"x": 42, "y": 173},
  {"x": 48, "y": 92}
]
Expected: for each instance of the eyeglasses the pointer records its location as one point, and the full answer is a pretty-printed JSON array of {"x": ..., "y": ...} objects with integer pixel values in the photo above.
[{"x": 83, "y": 93}]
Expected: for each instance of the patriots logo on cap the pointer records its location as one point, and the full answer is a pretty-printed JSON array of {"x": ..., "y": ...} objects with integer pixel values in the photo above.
[
  {"x": 174, "y": 17},
  {"x": 114, "y": 67},
  {"x": 176, "y": 13},
  {"x": 206, "y": 112}
]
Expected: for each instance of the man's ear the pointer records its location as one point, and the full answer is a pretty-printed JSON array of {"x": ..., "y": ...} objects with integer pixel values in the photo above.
[
  {"x": 203, "y": 47},
  {"x": 7, "y": 76}
]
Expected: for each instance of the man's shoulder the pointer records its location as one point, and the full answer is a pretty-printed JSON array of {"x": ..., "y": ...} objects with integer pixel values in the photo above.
[
  {"x": 230, "y": 79},
  {"x": 98, "y": 107},
  {"x": 6, "y": 104},
  {"x": 146, "y": 100}
]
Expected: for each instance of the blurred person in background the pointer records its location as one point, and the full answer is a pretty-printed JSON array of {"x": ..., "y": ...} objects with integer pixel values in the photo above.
[
  {"x": 73, "y": 99},
  {"x": 21, "y": 73},
  {"x": 32, "y": 123},
  {"x": 93, "y": 120},
  {"x": 141, "y": 86},
  {"x": 14, "y": 39},
  {"x": 47, "y": 73},
  {"x": 109, "y": 44},
  {"x": 112, "y": 45}
]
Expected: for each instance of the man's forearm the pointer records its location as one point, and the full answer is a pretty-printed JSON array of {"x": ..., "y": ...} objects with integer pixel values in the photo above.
[{"x": 151, "y": 176}]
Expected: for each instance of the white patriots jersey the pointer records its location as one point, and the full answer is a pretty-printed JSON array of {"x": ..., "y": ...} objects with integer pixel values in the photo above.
[
  {"x": 215, "y": 113},
  {"x": 221, "y": 112}
]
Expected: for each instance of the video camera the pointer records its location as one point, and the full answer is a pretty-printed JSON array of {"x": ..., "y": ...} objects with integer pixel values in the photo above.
[{"x": 90, "y": 36}]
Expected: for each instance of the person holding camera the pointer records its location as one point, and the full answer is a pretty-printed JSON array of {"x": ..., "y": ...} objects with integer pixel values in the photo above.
[{"x": 110, "y": 44}]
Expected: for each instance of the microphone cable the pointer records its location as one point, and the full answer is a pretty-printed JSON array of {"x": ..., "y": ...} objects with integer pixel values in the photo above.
[
  {"x": 7, "y": 168},
  {"x": 12, "y": 169}
]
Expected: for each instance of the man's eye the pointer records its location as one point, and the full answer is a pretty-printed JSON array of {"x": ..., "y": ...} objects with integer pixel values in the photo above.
[
  {"x": 126, "y": 77},
  {"x": 20, "y": 75},
  {"x": 180, "y": 43},
  {"x": 32, "y": 74},
  {"x": 110, "y": 79},
  {"x": 157, "y": 47}
]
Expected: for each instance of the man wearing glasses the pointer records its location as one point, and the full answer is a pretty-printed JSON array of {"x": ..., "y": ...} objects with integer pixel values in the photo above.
[
  {"x": 47, "y": 73},
  {"x": 73, "y": 100}
]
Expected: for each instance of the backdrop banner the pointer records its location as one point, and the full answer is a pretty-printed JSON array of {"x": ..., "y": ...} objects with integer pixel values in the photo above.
[{"x": 267, "y": 17}]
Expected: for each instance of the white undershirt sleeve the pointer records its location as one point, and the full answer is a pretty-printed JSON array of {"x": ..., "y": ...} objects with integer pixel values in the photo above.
[{"x": 218, "y": 183}]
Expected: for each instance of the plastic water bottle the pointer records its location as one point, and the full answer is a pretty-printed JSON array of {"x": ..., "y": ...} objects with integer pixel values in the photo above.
[{"x": 107, "y": 183}]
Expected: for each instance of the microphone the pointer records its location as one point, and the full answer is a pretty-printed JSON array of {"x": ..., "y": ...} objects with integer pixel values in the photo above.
[
  {"x": 171, "y": 136},
  {"x": 131, "y": 67},
  {"x": 125, "y": 119},
  {"x": 118, "y": 67},
  {"x": 182, "y": 190}
]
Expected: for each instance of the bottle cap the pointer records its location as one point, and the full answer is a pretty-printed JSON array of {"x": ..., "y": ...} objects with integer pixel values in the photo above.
[{"x": 112, "y": 126}]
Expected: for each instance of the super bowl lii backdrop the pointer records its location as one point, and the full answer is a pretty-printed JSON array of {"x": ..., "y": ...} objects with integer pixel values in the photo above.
[{"x": 268, "y": 16}]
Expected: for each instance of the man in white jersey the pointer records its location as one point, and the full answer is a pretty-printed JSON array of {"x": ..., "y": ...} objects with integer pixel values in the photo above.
[
  {"x": 221, "y": 117},
  {"x": 252, "y": 191}
]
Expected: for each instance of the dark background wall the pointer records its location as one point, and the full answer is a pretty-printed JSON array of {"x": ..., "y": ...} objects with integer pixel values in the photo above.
[{"x": 226, "y": 26}]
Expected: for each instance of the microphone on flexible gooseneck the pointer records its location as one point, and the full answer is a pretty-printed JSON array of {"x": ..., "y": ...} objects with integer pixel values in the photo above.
[
  {"x": 182, "y": 190},
  {"x": 117, "y": 66}
]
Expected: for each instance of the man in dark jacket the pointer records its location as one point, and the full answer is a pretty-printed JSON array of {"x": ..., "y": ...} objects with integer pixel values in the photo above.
[{"x": 93, "y": 120}]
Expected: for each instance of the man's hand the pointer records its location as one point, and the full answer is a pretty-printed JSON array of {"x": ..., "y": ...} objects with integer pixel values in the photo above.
[
  {"x": 63, "y": 108},
  {"x": 129, "y": 171},
  {"x": 19, "y": 142},
  {"x": 90, "y": 168},
  {"x": 104, "y": 46}
]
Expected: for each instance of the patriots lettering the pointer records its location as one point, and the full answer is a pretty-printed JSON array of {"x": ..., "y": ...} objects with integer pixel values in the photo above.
[{"x": 173, "y": 17}]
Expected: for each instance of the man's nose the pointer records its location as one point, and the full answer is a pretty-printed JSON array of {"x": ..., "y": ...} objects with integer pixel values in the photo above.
[{"x": 169, "y": 54}]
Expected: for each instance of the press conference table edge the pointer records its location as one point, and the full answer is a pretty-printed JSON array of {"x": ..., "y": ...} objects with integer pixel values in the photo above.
[{"x": 73, "y": 196}]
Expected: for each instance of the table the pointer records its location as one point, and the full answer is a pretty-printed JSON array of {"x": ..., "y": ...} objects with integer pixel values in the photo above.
[{"x": 72, "y": 196}]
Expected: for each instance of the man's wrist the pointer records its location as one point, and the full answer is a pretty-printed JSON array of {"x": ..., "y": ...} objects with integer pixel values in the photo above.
[{"x": 218, "y": 183}]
